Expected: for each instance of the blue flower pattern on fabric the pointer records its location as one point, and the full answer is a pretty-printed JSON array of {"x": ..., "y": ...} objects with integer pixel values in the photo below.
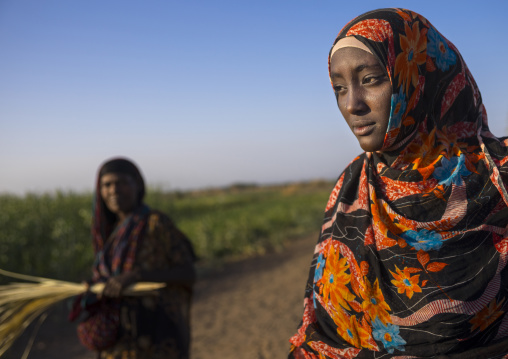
[
  {"x": 388, "y": 335},
  {"x": 451, "y": 171},
  {"x": 438, "y": 48},
  {"x": 318, "y": 273},
  {"x": 424, "y": 239},
  {"x": 398, "y": 108}
]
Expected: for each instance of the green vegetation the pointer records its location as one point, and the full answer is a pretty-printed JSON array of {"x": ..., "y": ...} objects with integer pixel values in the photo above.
[{"x": 49, "y": 235}]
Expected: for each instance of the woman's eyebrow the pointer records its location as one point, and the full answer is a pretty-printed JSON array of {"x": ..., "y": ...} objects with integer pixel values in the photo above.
[
  {"x": 357, "y": 69},
  {"x": 362, "y": 67}
]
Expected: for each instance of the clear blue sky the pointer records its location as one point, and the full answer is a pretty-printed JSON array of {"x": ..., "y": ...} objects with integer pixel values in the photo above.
[{"x": 198, "y": 93}]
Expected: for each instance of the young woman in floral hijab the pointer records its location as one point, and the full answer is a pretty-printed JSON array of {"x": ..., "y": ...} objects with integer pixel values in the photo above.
[{"x": 411, "y": 260}]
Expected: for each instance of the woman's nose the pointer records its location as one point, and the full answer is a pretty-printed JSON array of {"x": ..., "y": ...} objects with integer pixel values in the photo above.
[
  {"x": 355, "y": 101},
  {"x": 113, "y": 188}
]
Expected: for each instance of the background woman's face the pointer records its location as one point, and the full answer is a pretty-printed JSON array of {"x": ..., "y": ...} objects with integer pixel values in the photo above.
[
  {"x": 120, "y": 193},
  {"x": 363, "y": 91}
]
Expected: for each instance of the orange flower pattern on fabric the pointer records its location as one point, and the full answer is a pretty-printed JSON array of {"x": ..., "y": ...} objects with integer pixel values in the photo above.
[
  {"x": 405, "y": 282},
  {"x": 374, "y": 302},
  {"x": 333, "y": 284},
  {"x": 488, "y": 315},
  {"x": 355, "y": 333},
  {"x": 413, "y": 54}
]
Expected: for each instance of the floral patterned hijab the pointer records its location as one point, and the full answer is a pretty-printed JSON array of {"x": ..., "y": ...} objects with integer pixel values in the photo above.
[{"x": 411, "y": 259}]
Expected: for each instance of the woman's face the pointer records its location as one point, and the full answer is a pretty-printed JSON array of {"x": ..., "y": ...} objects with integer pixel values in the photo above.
[
  {"x": 363, "y": 91},
  {"x": 120, "y": 193}
]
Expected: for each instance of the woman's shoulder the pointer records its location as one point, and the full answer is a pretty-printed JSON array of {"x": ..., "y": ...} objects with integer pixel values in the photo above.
[
  {"x": 159, "y": 223},
  {"x": 162, "y": 230},
  {"x": 158, "y": 218}
]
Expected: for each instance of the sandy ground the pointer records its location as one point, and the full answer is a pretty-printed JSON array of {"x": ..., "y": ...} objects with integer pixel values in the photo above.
[{"x": 244, "y": 310}]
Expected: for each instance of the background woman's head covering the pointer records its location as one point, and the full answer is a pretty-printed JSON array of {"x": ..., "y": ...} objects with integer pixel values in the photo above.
[
  {"x": 104, "y": 219},
  {"x": 124, "y": 166},
  {"x": 431, "y": 84}
]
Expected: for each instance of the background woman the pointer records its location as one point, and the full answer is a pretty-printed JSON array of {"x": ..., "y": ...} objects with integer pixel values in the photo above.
[
  {"x": 411, "y": 260},
  {"x": 133, "y": 243}
]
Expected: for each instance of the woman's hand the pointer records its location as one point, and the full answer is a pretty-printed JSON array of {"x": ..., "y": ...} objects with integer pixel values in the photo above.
[{"x": 115, "y": 285}]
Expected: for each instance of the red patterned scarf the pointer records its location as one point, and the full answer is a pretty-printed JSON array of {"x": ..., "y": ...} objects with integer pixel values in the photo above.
[{"x": 119, "y": 251}]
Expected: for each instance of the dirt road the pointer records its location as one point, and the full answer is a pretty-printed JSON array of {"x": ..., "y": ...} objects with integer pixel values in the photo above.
[{"x": 244, "y": 310}]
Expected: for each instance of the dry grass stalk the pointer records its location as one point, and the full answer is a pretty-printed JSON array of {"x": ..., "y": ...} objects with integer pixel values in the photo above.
[{"x": 21, "y": 303}]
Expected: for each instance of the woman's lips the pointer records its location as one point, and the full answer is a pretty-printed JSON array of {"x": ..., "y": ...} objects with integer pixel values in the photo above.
[
  {"x": 363, "y": 130},
  {"x": 113, "y": 201}
]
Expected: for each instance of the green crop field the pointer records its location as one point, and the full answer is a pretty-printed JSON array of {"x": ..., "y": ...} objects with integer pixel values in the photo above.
[{"x": 49, "y": 234}]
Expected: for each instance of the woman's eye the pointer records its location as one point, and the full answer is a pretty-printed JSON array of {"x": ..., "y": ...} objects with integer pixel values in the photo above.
[
  {"x": 338, "y": 89},
  {"x": 373, "y": 79},
  {"x": 369, "y": 80}
]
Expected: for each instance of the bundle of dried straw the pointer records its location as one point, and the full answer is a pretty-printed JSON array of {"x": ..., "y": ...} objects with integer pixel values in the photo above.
[{"x": 21, "y": 303}]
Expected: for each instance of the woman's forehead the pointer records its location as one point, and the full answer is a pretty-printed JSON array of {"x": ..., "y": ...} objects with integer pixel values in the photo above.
[
  {"x": 352, "y": 59},
  {"x": 113, "y": 176}
]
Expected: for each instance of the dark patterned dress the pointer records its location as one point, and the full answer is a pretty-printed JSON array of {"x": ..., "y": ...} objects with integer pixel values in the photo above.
[{"x": 157, "y": 326}]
